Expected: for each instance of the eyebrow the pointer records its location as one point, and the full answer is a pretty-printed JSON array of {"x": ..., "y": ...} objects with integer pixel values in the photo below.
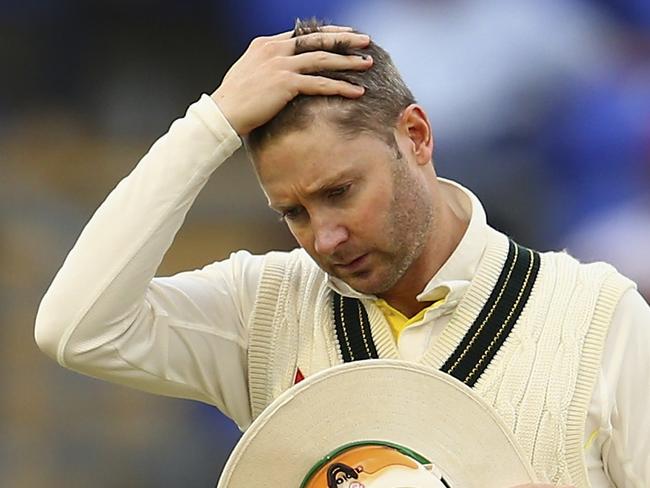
[
  {"x": 334, "y": 180},
  {"x": 321, "y": 187}
]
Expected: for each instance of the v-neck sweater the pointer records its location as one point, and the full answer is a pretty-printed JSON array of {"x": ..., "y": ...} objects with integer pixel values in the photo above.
[
  {"x": 108, "y": 316},
  {"x": 540, "y": 381}
]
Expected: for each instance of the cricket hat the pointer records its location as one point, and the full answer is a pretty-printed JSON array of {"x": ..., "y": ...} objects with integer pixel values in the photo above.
[{"x": 377, "y": 424}]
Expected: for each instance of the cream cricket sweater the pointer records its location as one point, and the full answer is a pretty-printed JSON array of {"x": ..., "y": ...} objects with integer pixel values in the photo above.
[
  {"x": 107, "y": 315},
  {"x": 540, "y": 381}
]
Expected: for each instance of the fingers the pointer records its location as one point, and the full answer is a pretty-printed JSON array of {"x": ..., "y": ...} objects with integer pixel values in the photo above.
[
  {"x": 327, "y": 41},
  {"x": 320, "y": 85},
  {"x": 336, "y": 28},
  {"x": 282, "y": 36},
  {"x": 314, "y": 61},
  {"x": 325, "y": 28},
  {"x": 331, "y": 38}
]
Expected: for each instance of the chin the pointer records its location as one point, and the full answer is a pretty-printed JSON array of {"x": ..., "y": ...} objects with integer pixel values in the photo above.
[
  {"x": 370, "y": 285},
  {"x": 358, "y": 284}
]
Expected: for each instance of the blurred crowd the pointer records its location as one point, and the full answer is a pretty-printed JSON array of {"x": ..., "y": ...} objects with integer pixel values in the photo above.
[{"x": 542, "y": 108}]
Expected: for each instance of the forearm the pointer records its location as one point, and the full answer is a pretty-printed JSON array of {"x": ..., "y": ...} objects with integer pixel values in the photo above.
[{"x": 103, "y": 281}]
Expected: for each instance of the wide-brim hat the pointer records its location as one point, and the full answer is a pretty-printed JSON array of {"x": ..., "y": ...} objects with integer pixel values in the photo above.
[{"x": 387, "y": 401}]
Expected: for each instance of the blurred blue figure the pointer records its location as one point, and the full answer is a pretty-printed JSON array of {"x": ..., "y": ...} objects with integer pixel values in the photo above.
[
  {"x": 635, "y": 14},
  {"x": 597, "y": 145}
]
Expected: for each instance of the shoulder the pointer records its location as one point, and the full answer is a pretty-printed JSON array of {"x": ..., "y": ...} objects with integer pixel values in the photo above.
[
  {"x": 290, "y": 276},
  {"x": 243, "y": 263},
  {"x": 244, "y": 275},
  {"x": 561, "y": 263},
  {"x": 295, "y": 264}
]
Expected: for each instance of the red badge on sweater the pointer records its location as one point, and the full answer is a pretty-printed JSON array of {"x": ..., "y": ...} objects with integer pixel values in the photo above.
[{"x": 299, "y": 377}]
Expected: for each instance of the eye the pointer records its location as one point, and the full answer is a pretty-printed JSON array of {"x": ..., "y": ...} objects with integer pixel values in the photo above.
[
  {"x": 292, "y": 213},
  {"x": 338, "y": 191}
]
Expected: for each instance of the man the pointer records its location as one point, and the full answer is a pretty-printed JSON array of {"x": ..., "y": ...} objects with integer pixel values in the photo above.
[{"x": 394, "y": 263}]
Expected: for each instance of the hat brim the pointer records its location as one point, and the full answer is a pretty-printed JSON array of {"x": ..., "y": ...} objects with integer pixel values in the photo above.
[{"x": 402, "y": 403}]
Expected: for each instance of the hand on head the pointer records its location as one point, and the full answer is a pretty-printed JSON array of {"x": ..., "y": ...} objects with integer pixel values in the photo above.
[{"x": 270, "y": 74}]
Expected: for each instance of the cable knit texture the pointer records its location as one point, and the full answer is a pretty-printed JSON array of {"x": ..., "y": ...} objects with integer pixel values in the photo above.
[{"x": 540, "y": 381}]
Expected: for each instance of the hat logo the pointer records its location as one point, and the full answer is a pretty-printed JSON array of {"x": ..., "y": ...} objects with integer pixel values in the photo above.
[{"x": 374, "y": 464}]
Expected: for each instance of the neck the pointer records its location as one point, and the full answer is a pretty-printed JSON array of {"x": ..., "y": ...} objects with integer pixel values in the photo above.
[{"x": 442, "y": 242}]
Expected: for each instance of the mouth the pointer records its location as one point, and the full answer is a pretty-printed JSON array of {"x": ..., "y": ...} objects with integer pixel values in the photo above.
[{"x": 352, "y": 266}]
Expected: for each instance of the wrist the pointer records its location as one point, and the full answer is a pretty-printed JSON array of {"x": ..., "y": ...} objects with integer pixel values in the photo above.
[{"x": 228, "y": 112}]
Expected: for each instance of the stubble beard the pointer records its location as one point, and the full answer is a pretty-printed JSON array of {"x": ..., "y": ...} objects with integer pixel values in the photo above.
[{"x": 408, "y": 227}]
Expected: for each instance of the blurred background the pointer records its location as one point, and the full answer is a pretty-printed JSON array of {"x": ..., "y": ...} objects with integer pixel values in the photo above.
[{"x": 542, "y": 108}]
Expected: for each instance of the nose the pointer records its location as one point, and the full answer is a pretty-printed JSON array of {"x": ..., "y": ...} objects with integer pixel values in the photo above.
[{"x": 328, "y": 236}]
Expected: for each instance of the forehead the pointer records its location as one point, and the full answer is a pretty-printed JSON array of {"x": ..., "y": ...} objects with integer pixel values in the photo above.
[{"x": 320, "y": 151}]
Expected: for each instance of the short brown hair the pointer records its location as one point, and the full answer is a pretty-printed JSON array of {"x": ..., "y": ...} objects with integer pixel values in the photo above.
[{"x": 376, "y": 111}]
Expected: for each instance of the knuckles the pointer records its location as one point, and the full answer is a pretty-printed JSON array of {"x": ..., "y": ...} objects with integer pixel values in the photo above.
[
  {"x": 323, "y": 83},
  {"x": 322, "y": 57},
  {"x": 263, "y": 44},
  {"x": 258, "y": 41}
]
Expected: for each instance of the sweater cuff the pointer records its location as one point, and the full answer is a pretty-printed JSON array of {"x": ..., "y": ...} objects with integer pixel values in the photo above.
[{"x": 209, "y": 113}]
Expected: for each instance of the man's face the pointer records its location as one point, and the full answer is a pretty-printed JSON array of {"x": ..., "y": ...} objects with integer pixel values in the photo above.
[{"x": 361, "y": 211}]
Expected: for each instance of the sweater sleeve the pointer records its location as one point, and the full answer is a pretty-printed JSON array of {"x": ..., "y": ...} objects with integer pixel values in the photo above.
[
  {"x": 106, "y": 315},
  {"x": 625, "y": 426}
]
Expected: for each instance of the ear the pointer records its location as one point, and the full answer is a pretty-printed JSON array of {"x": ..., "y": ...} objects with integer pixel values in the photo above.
[{"x": 414, "y": 130}]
